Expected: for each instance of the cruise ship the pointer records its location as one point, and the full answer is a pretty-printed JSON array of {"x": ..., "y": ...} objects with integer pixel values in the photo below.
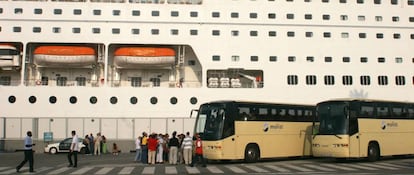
[{"x": 121, "y": 67}]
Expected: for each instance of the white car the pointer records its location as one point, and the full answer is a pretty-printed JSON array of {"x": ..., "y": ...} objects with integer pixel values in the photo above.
[{"x": 64, "y": 146}]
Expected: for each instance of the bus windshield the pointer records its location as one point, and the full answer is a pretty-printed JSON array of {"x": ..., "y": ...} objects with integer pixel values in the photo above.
[
  {"x": 333, "y": 118},
  {"x": 210, "y": 121}
]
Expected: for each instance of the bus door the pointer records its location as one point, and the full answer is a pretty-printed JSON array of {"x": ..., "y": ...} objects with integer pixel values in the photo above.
[{"x": 354, "y": 136}]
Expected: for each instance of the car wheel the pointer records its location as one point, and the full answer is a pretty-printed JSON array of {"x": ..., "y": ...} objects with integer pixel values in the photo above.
[
  {"x": 53, "y": 150},
  {"x": 83, "y": 150}
]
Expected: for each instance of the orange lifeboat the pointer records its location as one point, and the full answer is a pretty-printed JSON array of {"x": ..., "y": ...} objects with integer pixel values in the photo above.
[
  {"x": 64, "y": 55},
  {"x": 144, "y": 56}
]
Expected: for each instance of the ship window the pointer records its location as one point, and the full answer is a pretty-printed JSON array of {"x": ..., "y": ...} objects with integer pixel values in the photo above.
[
  {"x": 380, "y": 35},
  {"x": 1, "y": 10},
  {"x": 235, "y": 58},
  {"x": 381, "y": 60},
  {"x": 253, "y": 15},
  {"x": 32, "y": 99},
  {"x": 342, "y": 1},
  {"x": 271, "y": 16},
  {"x": 52, "y": 99},
  {"x": 326, "y": 17},
  {"x": 80, "y": 81},
  {"x": 136, "y": 81},
  {"x": 97, "y": 12},
  {"x": 136, "y": 13},
  {"x": 116, "y": 12},
  {"x": 309, "y": 34},
  {"x": 360, "y": 1},
  {"x": 377, "y": 1},
  {"x": 273, "y": 58},
  {"x": 362, "y": 35},
  {"x": 412, "y": 36},
  {"x": 216, "y": 32},
  {"x": 364, "y": 59},
  {"x": 290, "y": 34},
  {"x": 135, "y": 31},
  {"x": 45, "y": 81},
  {"x": 328, "y": 59},
  {"x": 400, "y": 80},
  {"x": 378, "y": 18},
  {"x": 216, "y": 57},
  {"x": 37, "y": 29},
  {"x": 73, "y": 100},
  {"x": 311, "y": 79},
  {"x": 174, "y": 31},
  {"x": 77, "y": 11},
  {"x": 56, "y": 29},
  {"x": 155, "y": 13},
  {"x": 5, "y": 80},
  {"x": 398, "y": 60},
  {"x": 93, "y": 100},
  {"x": 397, "y": 36},
  {"x": 326, "y": 34},
  {"x": 18, "y": 10},
  {"x": 253, "y": 33},
  {"x": 395, "y": 18},
  {"x": 234, "y": 15},
  {"x": 345, "y": 35},
  {"x": 410, "y": 2},
  {"x": 382, "y": 80},
  {"x": 174, "y": 13},
  {"x": 325, "y": 1},
  {"x": 133, "y": 100},
  {"x": 307, "y": 0},
  {"x": 254, "y": 58},
  {"x": 365, "y": 80},
  {"x": 113, "y": 100},
  {"x": 17, "y": 29},
  {"x": 290, "y": 16},
  {"x": 12, "y": 98},
  {"x": 57, "y": 11},
  {"x": 215, "y": 14},
  {"x": 155, "y": 31},
  {"x": 154, "y": 100},
  {"x": 76, "y": 30},
  {"x": 346, "y": 59},
  {"x": 347, "y": 80},
  {"x": 193, "y": 14},
  {"x": 116, "y": 31},
  {"x": 411, "y": 19},
  {"x": 193, "y": 32},
  {"x": 38, "y": 11},
  {"x": 308, "y": 16},
  {"x": 361, "y": 18},
  {"x": 96, "y": 30},
  {"x": 61, "y": 81},
  {"x": 292, "y": 79},
  {"x": 234, "y": 33},
  {"x": 272, "y": 33},
  {"x": 310, "y": 59},
  {"x": 191, "y": 62},
  {"x": 173, "y": 100},
  {"x": 329, "y": 80},
  {"x": 156, "y": 82},
  {"x": 193, "y": 100},
  {"x": 394, "y": 2},
  {"x": 344, "y": 17},
  {"x": 291, "y": 58}
]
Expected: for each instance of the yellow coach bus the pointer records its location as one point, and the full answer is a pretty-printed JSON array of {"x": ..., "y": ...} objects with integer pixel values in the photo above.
[
  {"x": 235, "y": 130},
  {"x": 364, "y": 129}
]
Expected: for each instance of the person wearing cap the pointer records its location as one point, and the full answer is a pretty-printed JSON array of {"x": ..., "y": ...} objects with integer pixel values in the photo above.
[{"x": 28, "y": 152}]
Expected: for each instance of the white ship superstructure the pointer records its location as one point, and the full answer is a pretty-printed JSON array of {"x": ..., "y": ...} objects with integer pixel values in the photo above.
[{"x": 123, "y": 67}]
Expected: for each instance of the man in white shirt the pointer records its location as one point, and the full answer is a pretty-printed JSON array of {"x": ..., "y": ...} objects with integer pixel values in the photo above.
[
  {"x": 74, "y": 148},
  {"x": 28, "y": 152}
]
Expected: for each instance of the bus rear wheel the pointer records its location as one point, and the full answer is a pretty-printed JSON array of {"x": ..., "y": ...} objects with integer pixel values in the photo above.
[
  {"x": 251, "y": 153},
  {"x": 373, "y": 152}
]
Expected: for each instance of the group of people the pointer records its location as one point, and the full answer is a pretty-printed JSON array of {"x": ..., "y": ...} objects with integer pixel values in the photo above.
[
  {"x": 95, "y": 145},
  {"x": 160, "y": 148}
]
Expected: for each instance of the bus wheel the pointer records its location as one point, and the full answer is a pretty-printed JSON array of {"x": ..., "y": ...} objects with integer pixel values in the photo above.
[
  {"x": 373, "y": 152},
  {"x": 252, "y": 153}
]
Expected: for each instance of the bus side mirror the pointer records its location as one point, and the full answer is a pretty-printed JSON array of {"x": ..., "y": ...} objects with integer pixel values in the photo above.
[{"x": 193, "y": 111}]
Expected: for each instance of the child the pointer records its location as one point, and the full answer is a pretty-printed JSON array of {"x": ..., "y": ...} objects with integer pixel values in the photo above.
[{"x": 115, "y": 150}]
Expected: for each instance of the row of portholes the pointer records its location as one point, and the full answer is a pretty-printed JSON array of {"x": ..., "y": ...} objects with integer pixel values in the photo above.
[{"x": 94, "y": 100}]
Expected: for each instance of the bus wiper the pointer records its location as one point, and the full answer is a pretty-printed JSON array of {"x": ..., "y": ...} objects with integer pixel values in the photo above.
[{"x": 339, "y": 137}]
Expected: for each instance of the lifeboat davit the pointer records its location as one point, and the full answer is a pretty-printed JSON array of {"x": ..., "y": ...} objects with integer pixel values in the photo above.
[
  {"x": 9, "y": 56},
  {"x": 64, "y": 56},
  {"x": 144, "y": 56}
]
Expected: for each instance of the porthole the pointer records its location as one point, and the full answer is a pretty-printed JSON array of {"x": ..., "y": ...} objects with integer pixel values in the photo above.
[
  {"x": 173, "y": 100},
  {"x": 154, "y": 100},
  {"x": 133, "y": 100},
  {"x": 113, "y": 100},
  {"x": 12, "y": 99},
  {"x": 32, "y": 99},
  {"x": 73, "y": 99},
  {"x": 52, "y": 99},
  {"x": 93, "y": 100},
  {"x": 193, "y": 100}
]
